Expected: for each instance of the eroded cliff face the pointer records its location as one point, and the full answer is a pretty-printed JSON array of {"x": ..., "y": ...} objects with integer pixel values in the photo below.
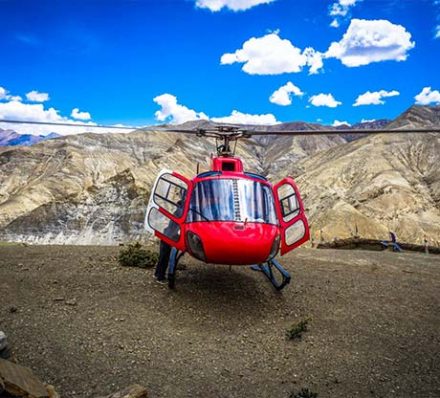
[
  {"x": 374, "y": 185},
  {"x": 93, "y": 189}
]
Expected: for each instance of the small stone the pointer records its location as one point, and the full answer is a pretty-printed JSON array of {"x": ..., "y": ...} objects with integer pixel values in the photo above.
[
  {"x": 3, "y": 341},
  {"x": 58, "y": 299},
  {"x": 13, "y": 309},
  {"x": 71, "y": 302},
  {"x": 134, "y": 391},
  {"x": 51, "y": 391}
]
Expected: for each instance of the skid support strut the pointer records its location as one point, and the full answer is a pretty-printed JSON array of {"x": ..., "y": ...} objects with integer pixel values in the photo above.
[
  {"x": 175, "y": 256},
  {"x": 269, "y": 269}
]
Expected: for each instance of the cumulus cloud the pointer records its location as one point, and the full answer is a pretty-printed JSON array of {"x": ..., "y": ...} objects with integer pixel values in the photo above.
[
  {"x": 338, "y": 123},
  {"x": 246, "y": 118},
  {"x": 437, "y": 32},
  {"x": 16, "y": 110},
  {"x": 283, "y": 96},
  {"x": 234, "y": 5},
  {"x": 340, "y": 9},
  {"x": 4, "y": 95},
  {"x": 375, "y": 97},
  {"x": 77, "y": 114},
  {"x": 368, "y": 41},
  {"x": 173, "y": 112},
  {"x": 428, "y": 96},
  {"x": 35, "y": 96},
  {"x": 272, "y": 55},
  {"x": 324, "y": 100}
]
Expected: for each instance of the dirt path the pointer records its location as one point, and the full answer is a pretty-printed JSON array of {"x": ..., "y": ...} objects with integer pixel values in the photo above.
[{"x": 91, "y": 327}]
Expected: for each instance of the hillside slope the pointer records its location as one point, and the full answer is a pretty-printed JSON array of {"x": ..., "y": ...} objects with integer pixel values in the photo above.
[{"x": 376, "y": 184}]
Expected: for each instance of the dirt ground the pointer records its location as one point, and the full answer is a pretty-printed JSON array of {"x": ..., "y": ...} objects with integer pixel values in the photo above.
[{"x": 91, "y": 327}]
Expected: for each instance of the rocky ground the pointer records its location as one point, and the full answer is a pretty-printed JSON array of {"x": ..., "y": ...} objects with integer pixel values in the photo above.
[{"x": 91, "y": 327}]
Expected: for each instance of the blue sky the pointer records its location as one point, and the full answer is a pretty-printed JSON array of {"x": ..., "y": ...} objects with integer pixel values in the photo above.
[{"x": 145, "y": 62}]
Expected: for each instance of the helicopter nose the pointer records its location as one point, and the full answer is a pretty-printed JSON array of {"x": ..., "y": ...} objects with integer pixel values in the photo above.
[{"x": 235, "y": 243}]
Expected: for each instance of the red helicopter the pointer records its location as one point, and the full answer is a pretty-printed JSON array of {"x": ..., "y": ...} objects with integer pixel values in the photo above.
[
  {"x": 231, "y": 216},
  {"x": 228, "y": 215}
]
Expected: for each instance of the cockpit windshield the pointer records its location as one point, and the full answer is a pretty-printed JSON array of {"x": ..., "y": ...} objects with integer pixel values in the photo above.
[{"x": 232, "y": 200}]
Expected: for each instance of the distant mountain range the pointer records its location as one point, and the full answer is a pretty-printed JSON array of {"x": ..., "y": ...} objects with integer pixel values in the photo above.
[
  {"x": 11, "y": 138},
  {"x": 93, "y": 188}
]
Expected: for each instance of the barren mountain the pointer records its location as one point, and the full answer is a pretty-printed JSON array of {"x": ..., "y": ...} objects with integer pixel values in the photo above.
[
  {"x": 376, "y": 184},
  {"x": 12, "y": 138},
  {"x": 93, "y": 188}
]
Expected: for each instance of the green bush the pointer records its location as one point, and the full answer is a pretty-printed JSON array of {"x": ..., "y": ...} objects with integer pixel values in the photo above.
[
  {"x": 296, "y": 331},
  {"x": 134, "y": 255},
  {"x": 304, "y": 393}
]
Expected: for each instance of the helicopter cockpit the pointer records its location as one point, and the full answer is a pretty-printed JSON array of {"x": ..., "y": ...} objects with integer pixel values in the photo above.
[{"x": 229, "y": 199}]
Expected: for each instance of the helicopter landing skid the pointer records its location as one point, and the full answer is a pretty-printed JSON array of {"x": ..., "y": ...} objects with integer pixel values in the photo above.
[
  {"x": 268, "y": 269},
  {"x": 175, "y": 256}
]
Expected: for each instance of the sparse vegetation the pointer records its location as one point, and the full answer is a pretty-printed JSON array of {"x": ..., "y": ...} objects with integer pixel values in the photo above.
[
  {"x": 134, "y": 255},
  {"x": 296, "y": 331},
  {"x": 304, "y": 393}
]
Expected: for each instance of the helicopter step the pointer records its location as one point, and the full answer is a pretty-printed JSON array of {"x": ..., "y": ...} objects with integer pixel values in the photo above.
[{"x": 268, "y": 269}]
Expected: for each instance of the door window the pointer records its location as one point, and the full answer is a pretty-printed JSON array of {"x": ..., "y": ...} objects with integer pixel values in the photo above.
[
  {"x": 289, "y": 202},
  {"x": 170, "y": 194},
  {"x": 164, "y": 225}
]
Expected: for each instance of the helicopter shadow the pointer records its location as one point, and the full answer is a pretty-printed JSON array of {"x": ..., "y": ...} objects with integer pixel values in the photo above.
[{"x": 215, "y": 293}]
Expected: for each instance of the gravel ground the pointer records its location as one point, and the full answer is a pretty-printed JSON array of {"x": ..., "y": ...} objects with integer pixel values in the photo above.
[{"x": 91, "y": 327}]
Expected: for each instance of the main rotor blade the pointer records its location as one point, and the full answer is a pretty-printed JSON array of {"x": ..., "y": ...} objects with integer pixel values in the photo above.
[
  {"x": 247, "y": 133},
  {"x": 347, "y": 131},
  {"x": 236, "y": 131}
]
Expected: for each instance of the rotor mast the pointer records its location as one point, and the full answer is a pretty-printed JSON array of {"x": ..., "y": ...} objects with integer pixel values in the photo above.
[{"x": 225, "y": 135}]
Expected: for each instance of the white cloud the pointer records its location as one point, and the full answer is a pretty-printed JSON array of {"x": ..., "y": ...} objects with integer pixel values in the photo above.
[
  {"x": 340, "y": 9},
  {"x": 324, "y": 100},
  {"x": 283, "y": 96},
  {"x": 334, "y": 23},
  {"x": 36, "y": 96},
  {"x": 4, "y": 95},
  {"x": 314, "y": 60},
  {"x": 234, "y": 5},
  {"x": 368, "y": 120},
  {"x": 173, "y": 112},
  {"x": 368, "y": 41},
  {"x": 375, "y": 97},
  {"x": 428, "y": 96},
  {"x": 437, "y": 32},
  {"x": 246, "y": 118},
  {"x": 77, "y": 114},
  {"x": 271, "y": 55},
  {"x": 338, "y": 123},
  {"x": 15, "y": 110}
]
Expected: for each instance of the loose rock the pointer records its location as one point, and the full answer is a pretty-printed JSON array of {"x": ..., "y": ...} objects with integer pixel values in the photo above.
[
  {"x": 3, "y": 341},
  {"x": 20, "y": 381},
  {"x": 134, "y": 391}
]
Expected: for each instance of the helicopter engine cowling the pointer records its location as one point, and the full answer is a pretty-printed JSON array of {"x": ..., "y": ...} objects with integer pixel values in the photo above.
[{"x": 234, "y": 243}]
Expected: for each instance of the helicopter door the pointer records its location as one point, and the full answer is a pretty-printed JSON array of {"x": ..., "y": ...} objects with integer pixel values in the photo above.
[
  {"x": 166, "y": 208},
  {"x": 290, "y": 209}
]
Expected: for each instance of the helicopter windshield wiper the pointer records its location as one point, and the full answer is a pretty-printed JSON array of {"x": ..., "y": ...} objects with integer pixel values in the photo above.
[{"x": 199, "y": 213}]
